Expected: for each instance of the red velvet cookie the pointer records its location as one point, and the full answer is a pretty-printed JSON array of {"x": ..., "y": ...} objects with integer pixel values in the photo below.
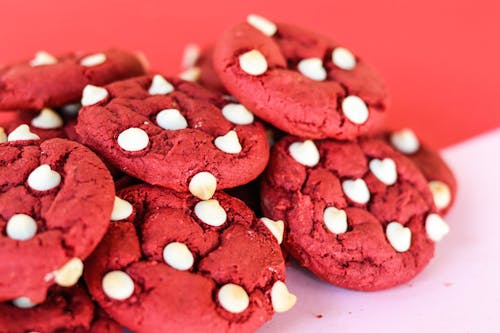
[
  {"x": 358, "y": 214},
  {"x": 442, "y": 182},
  {"x": 48, "y": 81},
  {"x": 174, "y": 133},
  {"x": 174, "y": 263},
  {"x": 65, "y": 310},
  {"x": 299, "y": 81},
  {"x": 56, "y": 198}
]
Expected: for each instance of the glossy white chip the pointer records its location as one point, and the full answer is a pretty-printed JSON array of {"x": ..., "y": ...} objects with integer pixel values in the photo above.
[
  {"x": 355, "y": 109},
  {"x": 441, "y": 193},
  {"x": 282, "y": 299},
  {"x": 68, "y": 275},
  {"x": 237, "y": 114},
  {"x": 312, "y": 68},
  {"x": 228, "y": 143},
  {"x": 47, "y": 119},
  {"x": 178, "y": 256},
  {"x": 356, "y": 190},
  {"x": 253, "y": 62},
  {"x": 21, "y": 227},
  {"x": 92, "y": 94},
  {"x": 436, "y": 227},
  {"x": 405, "y": 141},
  {"x": 399, "y": 236},
  {"x": 171, "y": 119},
  {"x": 160, "y": 86},
  {"x": 262, "y": 24},
  {"x": 277, "y": 228},
  {"x": 118, "y": 285},
  {"x": 93, "y": 60},
  {"x": 22, "y": 132},
  {"x": 210, "y": 212},
  {"x": 385, "y": 170},
  {"x": 305, "y": 153},
  {"x": 43, "y": 58},
  {"x": 335, "y": 220},
  {"x": 343, "y": 58},
  {"x": 203, "y": 185},
  {"x": 122, "y": 209},
  {"x": 133, "y": 139},
  {"x": 233, "y": 298},
  {"x": 43, "y": 178}
]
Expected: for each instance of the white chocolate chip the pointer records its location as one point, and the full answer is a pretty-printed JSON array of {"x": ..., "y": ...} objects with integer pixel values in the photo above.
[
  {"x": 441, "y": 193},
  {"x": 399, "y": 236},
  {"x": 22, "y": 132},
  {"x": 171, "y": 119},
  {"x": 92, "y": 94},
  {"x": 253, "y": 62},
  {"x": 191, "y": 74},
  {"x": 275, "y": 227},
  {"x": 43, "y": 58},
  {"x": 21, "y": 227},
  {"x": 203, "y": 185},
  {"x": 122, "y": 209},
  {"x": 436, "y": 227},
  {"x": 71, "y": 110},
  {"x": 47, "y": 119},
  {"x": 405, "y": 141},
  {"x": 335, "y": 220},
  {"x": 281, "y": 298},
  {"x": 312, "y": 68},
  {"x": 133, "y": 139},
  {"x": 160, "y": 86},
  {"x": 355, "y": 109},
  {"x": 233, "y": 298},
  {"x": 356, "y": 190},
  {"x": 43, "y": 178},
  {"x": 68, "y": 275},
  {"x": 228, "y": 143},
  {"x": 343, "y": 58},
  {"x": 93, "y": 60},
  {"x": 118, "y": 285},
  {"x": 306, "y": 153},
  {"x": 23, "y": 303},
  {"x": 190, "y": 56},
  {"x": 262, "y": 24},
  {"x": 178, "y": 256},
  {"x": 210, "y": 212},
  {"x": 237, "y": 114},
  {"x": 384, "y": 170},
  {"x": 3, "y": 136}
]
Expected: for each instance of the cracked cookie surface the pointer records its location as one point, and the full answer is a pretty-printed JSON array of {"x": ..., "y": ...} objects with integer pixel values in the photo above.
[
  {"x": 300, "y": 82},
  {"x": 49, "y": 81},
  {"x": 357, "y": 215},
  {"x": 183, "y": 129},
  {"x": 56, "y": 198},
  {"x": 181, "y": 290}
]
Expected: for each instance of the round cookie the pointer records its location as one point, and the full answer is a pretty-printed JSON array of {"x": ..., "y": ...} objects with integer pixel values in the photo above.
[
  {"x": 65, "y": 310},
  {"x": 173, "y": 263},
  {"x": 48, "y": 81},
  {"x": 56, "y": 198},
  {"x": 191, "y": 138},
  {"x": 300, "y": 82},
  {"x": 358, "y": 214},
  {"x": 442, "y": 182}
]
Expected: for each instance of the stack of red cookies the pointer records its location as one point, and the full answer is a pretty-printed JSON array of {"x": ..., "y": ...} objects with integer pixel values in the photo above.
[{"x": 115, "y": 175}]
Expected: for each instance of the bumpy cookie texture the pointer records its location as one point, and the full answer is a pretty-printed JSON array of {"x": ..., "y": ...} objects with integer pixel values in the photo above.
[
  {"x": 164, "y": 132},
  {"x": 48, "y": 81},
  {"x": 440, "y": 177},
  {"x": 163, "y": 268},
  {"x": 340, "y": 211},
  {"x": 65, "y": 310},
  {"x": 296, "y": 80},
  {"x": 56, "y": 198}
]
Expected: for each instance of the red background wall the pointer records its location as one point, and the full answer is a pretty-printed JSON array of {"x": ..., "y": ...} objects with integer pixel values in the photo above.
[{"x": 441, "y": 59}]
